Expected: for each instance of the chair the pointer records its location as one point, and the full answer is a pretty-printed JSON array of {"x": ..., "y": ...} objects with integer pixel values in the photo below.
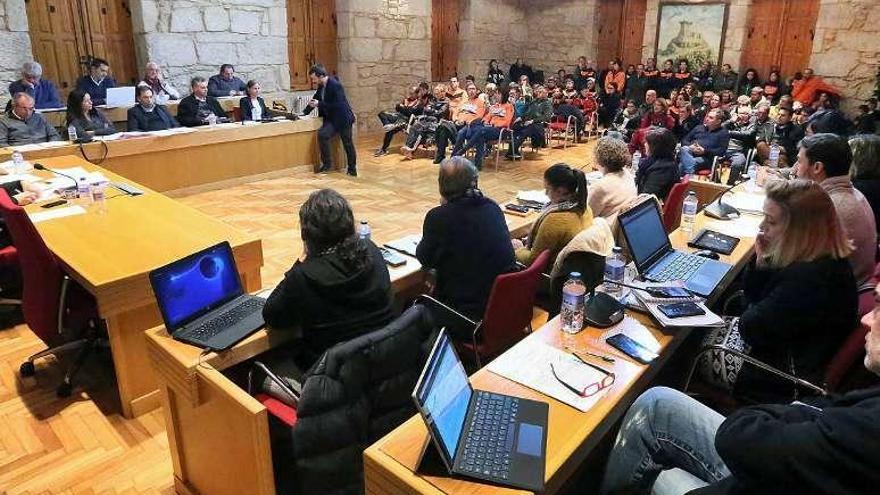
[
  {"x": 563, "y": 129},
  {"x": 59, "y": 312},
  {"x": 9, "y": 261},
  {"x": 673, "y": 204},
  {"x": 356, "y": 393},
  {"x": 498, "y": 143},
  {"x": 591, "y": 266},
  {"x": 508, "y": 312}
]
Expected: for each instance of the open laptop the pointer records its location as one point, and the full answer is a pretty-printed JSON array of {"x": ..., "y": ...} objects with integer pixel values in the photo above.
[
  {"x": 122, "y": 96},
  {"x": 202, "y": 302},
  {"x": 655, "y": 258},
  {"x": 478, "y": 434}
]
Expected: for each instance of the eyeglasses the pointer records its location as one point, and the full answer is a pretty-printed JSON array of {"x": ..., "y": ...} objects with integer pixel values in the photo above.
[{"x": 591, "y": 389}]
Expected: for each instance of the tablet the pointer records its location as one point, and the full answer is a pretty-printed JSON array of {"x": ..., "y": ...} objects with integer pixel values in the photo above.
[{"x": 714, "y": 241}]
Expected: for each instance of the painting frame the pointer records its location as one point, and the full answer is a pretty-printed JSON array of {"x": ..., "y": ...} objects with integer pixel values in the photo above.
[{"x": 724, "y": 4}]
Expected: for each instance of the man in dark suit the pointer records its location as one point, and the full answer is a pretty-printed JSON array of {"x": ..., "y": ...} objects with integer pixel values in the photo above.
[
  {"x": 199, "y": 108},
  {"x": 147, "y": 115},
  {"x": 338, "y": 117}
]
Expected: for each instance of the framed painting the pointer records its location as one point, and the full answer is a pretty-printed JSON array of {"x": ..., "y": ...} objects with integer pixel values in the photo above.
[{"x": 691, "y": 31}]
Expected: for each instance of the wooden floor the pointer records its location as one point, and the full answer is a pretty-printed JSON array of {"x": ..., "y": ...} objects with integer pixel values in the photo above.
[{"x": 82, "y": 445}]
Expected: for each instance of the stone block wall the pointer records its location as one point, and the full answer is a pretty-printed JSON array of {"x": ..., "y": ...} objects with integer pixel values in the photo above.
[
  {"x": 384, "y": 47},
  {"x": 15, "y": 44},
  {"x": 194, "y": 37},
  {"x": 560, "y": 32},
  {"x": 490, "y": 29}
]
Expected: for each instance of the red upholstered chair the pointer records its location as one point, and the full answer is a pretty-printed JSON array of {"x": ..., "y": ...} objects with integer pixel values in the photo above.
[
  {"x": 57, "y": 310},
  {"x": 508, "y": 312},
  {"x": 562, "y": 129},
  {"x": 672, "y": 206}
]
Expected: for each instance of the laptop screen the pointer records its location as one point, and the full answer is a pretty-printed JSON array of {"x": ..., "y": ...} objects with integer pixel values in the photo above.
[
  {"x": 644, "y": 233},
  {"x": 443, "y": 395},
  {"x": 189, "y": 288}
]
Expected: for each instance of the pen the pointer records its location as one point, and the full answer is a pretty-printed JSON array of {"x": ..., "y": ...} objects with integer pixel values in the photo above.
[{"x": 607, "y": 359}]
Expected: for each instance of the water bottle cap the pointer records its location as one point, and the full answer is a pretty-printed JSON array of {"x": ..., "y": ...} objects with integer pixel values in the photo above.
[
  {"x": 617, "y": 249},
  {"x": 363, "y": 222},
  {"x": 575, "y": 275},
  {"x": 691, "y": 193}
]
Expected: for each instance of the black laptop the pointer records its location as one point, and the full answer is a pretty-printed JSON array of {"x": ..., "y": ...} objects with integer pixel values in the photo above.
[
  {"x": 202, "y": 302},
  {"x": 478, "y": 434},
  {"x": 655, "y": 258}
]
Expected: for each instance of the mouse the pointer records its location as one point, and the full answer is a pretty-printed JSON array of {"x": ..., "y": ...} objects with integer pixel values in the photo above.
[{"x": 706, "y": 253}]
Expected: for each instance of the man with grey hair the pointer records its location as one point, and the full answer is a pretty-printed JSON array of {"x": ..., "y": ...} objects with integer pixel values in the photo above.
[
  {"x": 20, "y": 125},
  {"x": 43, "y": 91},
  {"x": 162, "y": 89},
  {"x": 466, "y": 241}
]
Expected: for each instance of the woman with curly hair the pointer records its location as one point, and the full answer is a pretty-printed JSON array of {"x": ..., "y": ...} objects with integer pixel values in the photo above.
[{"x": 617, "y": 187}]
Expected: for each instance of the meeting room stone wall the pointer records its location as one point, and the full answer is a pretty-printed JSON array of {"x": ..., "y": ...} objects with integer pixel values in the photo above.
[
  {"x": 194, "y": 37},
  {"x": 490, "y": 29},
  {"x": 15, "y": 44}
]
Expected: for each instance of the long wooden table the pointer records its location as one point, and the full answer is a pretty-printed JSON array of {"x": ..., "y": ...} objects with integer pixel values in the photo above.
[
  {"x": 110, "y": 254},
  {"x": 120, "y": 114},
  {"x": 391, "y": 464},
  {"x": 206, "y": 155}
]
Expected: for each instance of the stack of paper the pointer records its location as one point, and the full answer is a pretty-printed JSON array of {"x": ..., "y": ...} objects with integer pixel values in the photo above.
[
  {"x": 709, "y": 319},
  {"x": 406, "y": 245},
  {"x": 42, "y": 216}
]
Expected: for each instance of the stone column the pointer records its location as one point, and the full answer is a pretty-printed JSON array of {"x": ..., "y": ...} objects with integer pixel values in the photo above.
[
  {"x": 15, "y": 44},
  {"x": 194, "y": 37},
  {"x": 384, "y": 48}
]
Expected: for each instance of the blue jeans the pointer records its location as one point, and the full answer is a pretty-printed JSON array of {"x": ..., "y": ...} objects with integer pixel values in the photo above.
[
  {"x": 465, "y": 135},
  {"x": 688, "y": 163},
  {"x": 667, "y": 432},
  {"x": 478, "y": 140}
]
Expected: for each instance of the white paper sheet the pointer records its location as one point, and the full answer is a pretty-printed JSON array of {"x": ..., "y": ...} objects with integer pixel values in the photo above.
[
  {"x": 744, "y": 226},
  {"x": 746, "y": 202},
  {"x": 50, "y": 214},
  {"x": 4, "y": 179},
  {"x": 534, "y": 196}
]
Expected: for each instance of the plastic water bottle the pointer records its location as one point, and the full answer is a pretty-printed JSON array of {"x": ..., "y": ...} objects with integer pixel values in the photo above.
[
  {"x": 615, "y": 266},
  {"x": 637, "y": 158},
  {"x": 212, "y": 120},
  {"x": 572, "y": 311},
  {"x": 71, "y": 133},
  {"x": 17, "y": 163},
  {"x": 364, "y": 230},
  {"x": 99, "y": 197},
  {"x": 83, "y": 191},
  {"x": 774, "y": 155},
  {"x": 689, "y": 212}
]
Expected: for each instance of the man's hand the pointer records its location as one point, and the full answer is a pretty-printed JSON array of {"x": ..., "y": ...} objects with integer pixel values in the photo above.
[
  {"x": 517, "y": 244},
  {"x": 25, "y": 198},
  {"x": 760, "y": 245},
  {"x": 313, "y": 103}
]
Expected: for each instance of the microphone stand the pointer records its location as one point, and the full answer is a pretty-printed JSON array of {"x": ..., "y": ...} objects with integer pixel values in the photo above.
[
  {"x": 722, "y": 211},
  {"x": 40, "y": 166}
]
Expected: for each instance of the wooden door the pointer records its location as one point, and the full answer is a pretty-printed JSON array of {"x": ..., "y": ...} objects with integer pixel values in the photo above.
[
  {"x": 797, "y": 42},
  {"x": 610, "y": 22},
  {"x": 779, "y": 33},
  {"x": 299, "y": 48},
  {"x": 633, "y": 33},
  {"x": 444, "y": 39},
  {"x": 324, "y": 43},
  {"x": 111, "y": 38},
  {"x": 57, "y": 41}
]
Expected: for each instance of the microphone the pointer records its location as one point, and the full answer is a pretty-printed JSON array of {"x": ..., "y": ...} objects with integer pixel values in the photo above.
[
  {"x": 722, "y": 211},
  {"x": 40, "y": 166}
]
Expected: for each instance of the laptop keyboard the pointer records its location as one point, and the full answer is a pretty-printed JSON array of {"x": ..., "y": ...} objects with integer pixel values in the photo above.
[
  {"x": 681, "y": 267},
  {"x": 490, "y": 436},
  {"x": 223, "y": 321}
]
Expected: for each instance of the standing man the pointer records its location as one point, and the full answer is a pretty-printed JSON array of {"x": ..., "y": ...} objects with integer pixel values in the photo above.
[
  {"x": 97, "y": 82},
  {"x": 338, "y": 118}
]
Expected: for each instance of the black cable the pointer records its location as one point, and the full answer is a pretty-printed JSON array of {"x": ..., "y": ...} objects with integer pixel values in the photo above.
[{"x": 105, "y": 150}]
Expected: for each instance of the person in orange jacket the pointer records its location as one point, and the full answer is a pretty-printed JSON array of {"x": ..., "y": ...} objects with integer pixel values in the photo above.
[
  {"x": 498, "y": 117},
  {"x": 806, "y": 90}
]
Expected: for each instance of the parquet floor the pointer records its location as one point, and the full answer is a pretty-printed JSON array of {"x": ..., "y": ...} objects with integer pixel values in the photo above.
[{"x": 82, "y": 445}]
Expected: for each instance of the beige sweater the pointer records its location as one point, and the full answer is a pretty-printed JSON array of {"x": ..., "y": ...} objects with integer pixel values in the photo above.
[
  {"x": 610, "y": 194},
  {"x": 857, "y": 218}
]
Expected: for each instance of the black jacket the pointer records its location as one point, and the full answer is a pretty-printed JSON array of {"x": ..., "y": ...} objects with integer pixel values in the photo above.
[
  {"x": 657, "y": 176},
  {"x": 467, "y": 242},
  {"x": 796, "y": 319},
  {"x": 788, "y": 137},
  {"x": 138, "y": 119},
  {"x": 246, "y": 108},
  {"x": 333, "y": 105},
  {"x": 832, "y": 448},
  {"x": 188, "y": 111},
  {"x": 331, "y": 301},
  {"x": 97, "y": 123}
]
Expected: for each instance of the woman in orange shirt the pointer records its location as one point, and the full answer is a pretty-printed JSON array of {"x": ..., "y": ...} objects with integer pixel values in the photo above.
[
  {"x": 498, "y": 116},
  {"x": 616, "y": 76}
]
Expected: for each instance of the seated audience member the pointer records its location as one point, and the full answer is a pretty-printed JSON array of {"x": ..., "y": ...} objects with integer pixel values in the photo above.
[
  {"x": 784, "y": 101},
  {"x": 569, "y": 93},
  {"x": 827, "y": 444},
  {"x": 97, "y": 82},
  {"x": 704, "y": 106},
  {"x": 584, "y": 73},
  {"x": 226, "y": 83},
  {"x": 465, "y": 239},
  {"x": 537, "y": 114},
  {"x": 617, "y": 187},
  {"x": 726, "y": 79},
  {"x": 683, "y": 75},
  {"x": 146, "y": 115},
  {"x": 20, "y": 125},
  {"x": 727, "y": 102},
  {"x": 396, "y": 121},
  {"x": 677, "y": 105},
  {"x": 666, "y": 79},
  {"x": 826, "y": 158},
  {"x": 615, "y": 77},
  {"x": 756, "y": 98},
  {"x": 551, "y": 84},
  {"x": 742, "y": 133},
  {"x": 703, "y": 144},
  {"x": 43, "y": 91},
  {"x": 21, "y": 193},
  {"x": 764, "y": 133},
  {"x": 865, "y": 122},
  {"x": 338, "y": 289},
  {"x": 705, "y": 77},
  {"x": 519, "y": 69},
  {"x": 455, "y": 94},
  {"x": 774, "y": 87},
  {"x": 587, "y": 100},
  {"x": 565, "y": 217},
  {"x": 609, "y": 104},
  {"x": 658, "y": 172},
  {"x": 525, "y": 87},
  {"x": 806, "y": 89},
  {"x": 748, "y": 81},
  {"x": 252, "y": 105},
  {"x": 88, "y": 120},
  {"x": 199, "y": 108},
  {"x": 658, "y": 117},
  {"x": 652, "y": 73},
  {"x": 468, "y": 112},
  {"x": 637, "y": 85},
  {"x": 787, "y": 135},
  {"x": 801, "y": 299},
  {"x": 162, "y": 89},
  {"x": 647, "y": 105},
  {"x": 495, "y": 75},
  {"x": 498, "y": 116},
  {"x": 426, "y": 124},
  {"x": 865, "y": 171},
  {"x": 685, "y": 122},
  {"x": 627, "y": 119}
]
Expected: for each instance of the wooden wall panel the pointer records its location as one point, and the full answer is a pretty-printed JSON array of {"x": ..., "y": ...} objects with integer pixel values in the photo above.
[
  {"x": 610, "y": 24},
  {"x": 779, "y": 33},
  {"x": 800, "y": 29},
  {"x": 444, "y": 39},
  {"x": 323, "y": 20},
  {"x": 633, "y": 32},
  {"x": 311, "y": 37}
]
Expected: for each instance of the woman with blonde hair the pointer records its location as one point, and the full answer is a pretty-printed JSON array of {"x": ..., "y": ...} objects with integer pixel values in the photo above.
[{"x": 800, "y": 294}]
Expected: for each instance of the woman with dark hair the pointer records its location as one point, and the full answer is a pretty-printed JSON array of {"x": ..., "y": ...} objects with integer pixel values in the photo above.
[
  {"x": 658, "y": 171},
  {"x": 774, "y": 87},
  {"x": 338, "y": 289},
  {"x": 495, "y": 75},
  {"x": 562, "y": 219},
  {"x": 748, "y": 81},
  {"x": 87, "y": 119},
  {"x": 252, "y": 105}
]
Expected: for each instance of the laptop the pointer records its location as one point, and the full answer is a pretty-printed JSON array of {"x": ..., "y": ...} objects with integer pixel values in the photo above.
[
  {"x": 655, "y": 258},
  {"x": 202, "y": 302},
  {"x": 478, "y": 434},
  {"x": 123, "y": 96}
]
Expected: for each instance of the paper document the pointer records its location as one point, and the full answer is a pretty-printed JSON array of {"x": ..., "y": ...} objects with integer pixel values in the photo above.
[
  {"x": 744, "y": 226},
  {"x": 109, "y": 137},
  {"x": 56, "y": 213},
  {"x": 709, "y": 319},
  {"x": 406, "y": 245},
  {"x": 4, "y": 179},
  {"x": 51, "y": 144},
  {"x": 746, "y": 202},
  {"x": 528, "y": 363},
  {"x": 534, "y": 197},
  {"x": 633, "y": 329}
]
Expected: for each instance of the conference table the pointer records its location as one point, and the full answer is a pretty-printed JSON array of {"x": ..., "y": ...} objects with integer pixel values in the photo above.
[
  {"x": 111, "y": 253},
  {"x": 119, "y": 114}
]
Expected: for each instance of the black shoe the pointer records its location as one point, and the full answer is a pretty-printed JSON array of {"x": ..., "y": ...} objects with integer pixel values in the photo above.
[
  {"x": 352, "y": 171},
  {"x": 380, "y": 153},
  {"x": 324, "y": 169}
]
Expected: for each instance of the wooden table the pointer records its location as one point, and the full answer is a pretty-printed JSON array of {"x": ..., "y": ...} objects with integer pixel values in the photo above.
[
  {"x": 110, "y": 254},
  {"x": 206, "y": 155},
  {"x": 118, "y": 115},
  {"x": 390, "y": 465}
]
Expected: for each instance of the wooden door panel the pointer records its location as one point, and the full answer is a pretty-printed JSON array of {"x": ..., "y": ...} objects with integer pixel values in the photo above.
[
  {"x": 797, "y": 42},
  {"x": 298, "y": 47},
  {"x": 763, "y": 36},
  {"x": 610, "y": 17},
  {"x": 56, "y": 41},
  {"x": 633, "y": 31},
  {"x": 324, "y": 44},
  {"x": 444, "y": 39},
  {"x": 112, "y": 38}
]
